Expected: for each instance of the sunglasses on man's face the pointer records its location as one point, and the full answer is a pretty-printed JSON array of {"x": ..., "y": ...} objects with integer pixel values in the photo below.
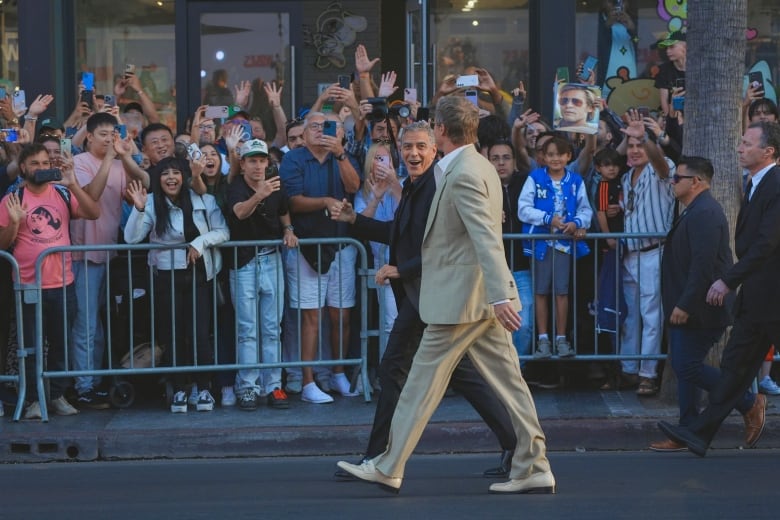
[{"x": 577, "y": 102}]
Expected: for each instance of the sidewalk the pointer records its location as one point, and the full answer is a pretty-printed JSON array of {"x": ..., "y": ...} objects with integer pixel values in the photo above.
[{"x": 572, "y": 420}]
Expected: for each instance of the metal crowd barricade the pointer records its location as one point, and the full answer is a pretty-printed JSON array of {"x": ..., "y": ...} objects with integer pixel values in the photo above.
[
  {"x": 595, "y": 242},
  {"x": 21, "y": 353},
  {"x": 130, "y": 254}
]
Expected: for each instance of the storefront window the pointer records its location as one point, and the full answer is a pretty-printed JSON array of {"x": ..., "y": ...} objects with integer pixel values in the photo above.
[
  {"x": 623, "y": 36},
  {"x": 493, "y": 37},
  {"x": 112, "y": 35},
  {"x": 9, "y": 45}
]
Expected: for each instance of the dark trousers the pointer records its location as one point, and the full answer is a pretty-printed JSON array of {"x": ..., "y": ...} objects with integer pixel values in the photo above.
[
  {"x": 689, "y": 347},
  {"x": 402, "y": 345},
  {"x": 182, "y": 318},
  {"x": 742, "y": 357},
  {"x": 59, "y": 310}
]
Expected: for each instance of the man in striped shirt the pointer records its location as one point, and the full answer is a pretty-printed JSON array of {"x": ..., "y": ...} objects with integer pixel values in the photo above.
[{"x": 649, "y": 202}]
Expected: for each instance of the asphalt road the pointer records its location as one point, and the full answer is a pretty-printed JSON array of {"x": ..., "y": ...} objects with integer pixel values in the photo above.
[{"x": 727, "y": 484}]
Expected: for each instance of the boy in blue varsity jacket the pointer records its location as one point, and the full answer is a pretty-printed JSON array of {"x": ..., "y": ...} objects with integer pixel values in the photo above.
[{"x": 554, "y": 200}]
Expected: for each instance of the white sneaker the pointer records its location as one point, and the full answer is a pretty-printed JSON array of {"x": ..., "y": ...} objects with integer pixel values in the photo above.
[
  {"x": 61, "y": 406},
  {"x": 312, "y": 394},
  {"x": 179, "y": 404},
  {"x": 32, "y": 412},
  {"x": 205, "y": 401},
  {"x": 340, "y": 384},
  {"x": 228, "y": 396},
  {"x": 194, "y": 395},
  {"x": 768, "y": 386}
]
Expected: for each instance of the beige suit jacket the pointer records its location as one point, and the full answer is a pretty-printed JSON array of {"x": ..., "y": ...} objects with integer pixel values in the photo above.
[{"x": 464, "y": 268}]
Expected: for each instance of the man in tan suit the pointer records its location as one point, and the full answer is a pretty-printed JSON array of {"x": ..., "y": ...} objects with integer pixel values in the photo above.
[{"x": 469, "y": 300}]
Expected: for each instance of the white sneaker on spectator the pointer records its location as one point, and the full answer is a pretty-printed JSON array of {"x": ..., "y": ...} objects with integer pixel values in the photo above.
[
  {"x": 61, "y": 406},
  {"x": 340, "y": 384},
  {"x": 293, "y": 386},
  {"x": 179, "y": 404},
  {"x": 768, "y": 386},
  {"x": 228, "y": 396},
  {"x": 205, "y": 401},
  {"x": 32, "y": 412},
  {"x": 311, "y": 393},
  {"x": 194, "y": 394}
]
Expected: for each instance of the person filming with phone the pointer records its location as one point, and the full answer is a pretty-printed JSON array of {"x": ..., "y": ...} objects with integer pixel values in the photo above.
[{"x": 58, "y": 192}]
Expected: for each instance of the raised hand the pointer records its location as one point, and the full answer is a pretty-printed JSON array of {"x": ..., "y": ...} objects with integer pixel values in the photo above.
[
  {"x": 387, "y": 87},
  {"x": 16, "y": 212},
  {"x": 40, "y": 104},
  {"x": 233, "y": 136},
  {"x": 274, "y": 94},
  {"x": 362, "y": 63},
  {"x": 241, "y": 93},
  {"x": 137, "y": 194}
]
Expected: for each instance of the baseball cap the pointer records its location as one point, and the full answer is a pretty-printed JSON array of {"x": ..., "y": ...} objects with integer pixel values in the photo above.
[
  {"x": 672, "y": 38},
  {"x": 54, "y": 124},
  {"x": 133, "y": 106},
  {"x": 237, "y": 111},
  {"x": 254, "y": 147}
]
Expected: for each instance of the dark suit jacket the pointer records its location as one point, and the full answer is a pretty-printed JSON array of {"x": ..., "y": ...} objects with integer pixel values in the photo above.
[
  {"x": 404, "y": 234},
  {"x": 757, "y": 244},
  {"x": 696, "y": 254}
]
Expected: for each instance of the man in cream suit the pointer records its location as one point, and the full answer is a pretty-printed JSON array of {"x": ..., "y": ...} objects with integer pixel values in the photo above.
[{"x": 469, "y": 300}]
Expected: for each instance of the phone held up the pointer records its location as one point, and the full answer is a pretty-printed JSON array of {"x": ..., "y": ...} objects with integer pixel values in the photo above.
[
  {"x": 19, "y": 101},
  {"x": 65, "y": 146},
  {"x": 121, "y": 130},
  {"x": 9, "y": 135},
  {"x": 271, "y": 171},
  {"x": 756, "y": 80},
  {"x": 588, "y": 66},
  {"x": 344, "y": 81},
  {"x": 472, "y": 96},
  {"x": 44, "y": 176},
  {"x": 329, "y": 128},
  {"x": 216, "y": 112}
]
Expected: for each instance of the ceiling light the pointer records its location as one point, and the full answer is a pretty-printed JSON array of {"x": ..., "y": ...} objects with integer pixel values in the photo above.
[{"x": 475, "y": 23}]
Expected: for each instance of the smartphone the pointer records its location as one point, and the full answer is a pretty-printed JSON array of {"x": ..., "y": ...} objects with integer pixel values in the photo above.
[
  {"x": 246, "y": 130},
  {"x": 271, "y": 171},
  {"x": 19, "y": 103},
  {"x": 562, "y": 73},
  {"x": 194, "y": 152},
  {"x": 344, "y": 81},
  {"x": 216, "y": 112},
  {"x": 384, "y": 159},
  {"x": 472, "y": 96},
  {"x": 109, "y": 100},
  {"x": 679, "y": 83},
  {"x": 588, "y": 65},
  {"x": 87, "y": 96},
  {"x": 44, "y": 176},
  {"x": 756, "y": 80},
  {"x": 329, "y": 128},
  {"x": 410, "y": 95},
  {"x": 423, "y": 114},
  {"x": 121, "y": 130},
  {"x": 643, "y": 111},
  {"x": 88, "y": 80},
  {"x": 129, "y": 69},
  {"x": 3, "y": 93},
  {"x": 65, "y": 146},
  {"x": 470, "y": 80},
  {"x": 678, "y": 102},
  {"x": 9, "y": 135}
]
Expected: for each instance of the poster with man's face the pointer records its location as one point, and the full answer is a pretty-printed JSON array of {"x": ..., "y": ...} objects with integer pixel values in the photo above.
[{"x": 576, "y": 109}]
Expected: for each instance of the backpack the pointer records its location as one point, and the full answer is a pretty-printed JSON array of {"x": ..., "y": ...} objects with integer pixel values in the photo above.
[{"x": 59, "y": 188}]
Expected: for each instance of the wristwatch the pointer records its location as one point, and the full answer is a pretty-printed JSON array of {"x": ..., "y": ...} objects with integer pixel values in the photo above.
[
  {"x": 289, "y": 228},
  {"x": 341, "y": 157}
]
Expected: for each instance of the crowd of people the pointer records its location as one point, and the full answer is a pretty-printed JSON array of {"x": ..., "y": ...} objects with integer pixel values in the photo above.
[{"x": 349, "y": 164}]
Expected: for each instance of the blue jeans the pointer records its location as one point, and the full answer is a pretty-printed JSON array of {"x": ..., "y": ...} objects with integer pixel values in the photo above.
[
  {"x": 688, "y": 348},
  {"x": 522, "y": 338},
  {"x": 257, "y": 291},
  {"x": 59, "y": 308},
  {"x": 88, "y": 344}
]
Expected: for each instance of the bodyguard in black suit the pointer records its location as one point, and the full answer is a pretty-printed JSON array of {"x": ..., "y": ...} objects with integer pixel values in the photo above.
[
  {"x": 696, "y": 254},
  {"x": 757, "y": 308},
  {"x": 405, "y": 235}
]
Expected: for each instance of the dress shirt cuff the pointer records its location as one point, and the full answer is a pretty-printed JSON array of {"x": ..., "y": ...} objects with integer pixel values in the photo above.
[{"x": 499, "y": 302}]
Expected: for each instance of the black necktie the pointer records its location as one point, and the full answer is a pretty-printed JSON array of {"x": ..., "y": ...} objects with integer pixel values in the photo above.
[{"x": 748, "y": 189}]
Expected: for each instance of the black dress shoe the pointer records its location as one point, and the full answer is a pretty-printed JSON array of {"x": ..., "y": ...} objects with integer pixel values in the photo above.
[
  {"x": 684, "y": 436},
  {"x": 344, "y": 475},
  {"x": 504, "y": 465}
]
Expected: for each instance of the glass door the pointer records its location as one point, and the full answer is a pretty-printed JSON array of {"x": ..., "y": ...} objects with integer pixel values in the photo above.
[
  {"x": 236, "y": 42},
  {"x": 417, "y": 48}
]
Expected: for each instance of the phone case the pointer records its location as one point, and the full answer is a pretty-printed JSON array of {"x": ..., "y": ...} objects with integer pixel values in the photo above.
[
  {"x": 88, "y": 80},
  {"x": 216, "y": 112},
  {"x": 19, "y": 101}
]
